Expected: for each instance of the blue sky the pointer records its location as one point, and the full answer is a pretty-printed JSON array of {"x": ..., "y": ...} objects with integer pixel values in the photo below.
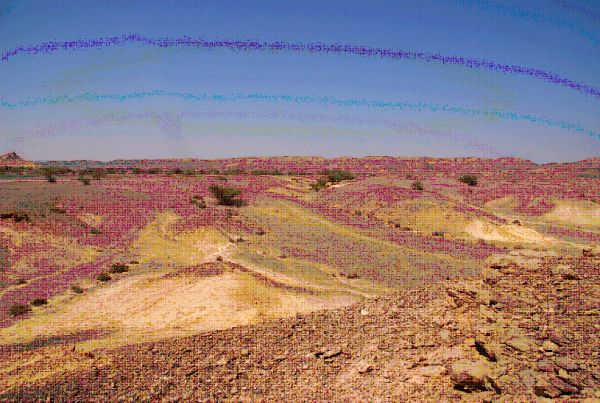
[{"x": 558, "y": 36}]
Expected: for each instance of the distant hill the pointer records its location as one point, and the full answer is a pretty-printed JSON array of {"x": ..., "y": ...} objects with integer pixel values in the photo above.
[
  {"x": 11, "y": 159},
  {"x": 367, "y": 165}
]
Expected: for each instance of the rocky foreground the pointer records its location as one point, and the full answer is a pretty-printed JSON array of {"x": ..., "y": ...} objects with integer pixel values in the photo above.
[{"x": 526, "y": 328}]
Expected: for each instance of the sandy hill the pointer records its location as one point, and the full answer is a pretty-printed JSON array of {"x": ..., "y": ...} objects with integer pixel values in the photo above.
[{"x": 11, "y": 159}]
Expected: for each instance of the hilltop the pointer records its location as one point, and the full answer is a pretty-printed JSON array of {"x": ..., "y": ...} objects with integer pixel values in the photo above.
[{"x": 11, "y": 159}]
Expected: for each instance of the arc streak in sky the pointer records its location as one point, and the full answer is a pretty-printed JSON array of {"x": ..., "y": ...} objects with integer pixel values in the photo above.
[
  {"x": 297, "y": 47},
  {"x": 420, "y": 106}
]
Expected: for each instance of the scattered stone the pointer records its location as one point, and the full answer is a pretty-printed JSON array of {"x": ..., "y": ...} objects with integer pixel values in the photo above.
[
  {"x": 222, "y": 361},
  {"x": 564, "y": 271},
  {"x": 364, "y": 367},
  {"x": 522, "y": 344},
  {"x": 416, "y": 380},
  {"x": 566, "y": 363},
  {"x": 549, "y": 346},
  {"x": 545, "y": 389},
  {"x": 558, "y": 339},
  {"x": 432, "y": 371},
  {"x": 472, "y": 376},
  {"x": 490, "y": 276},
  {"x": 563, "y": 386},
  {"x": 332, "y": 353},
  {"x": 546, "y": 366}
]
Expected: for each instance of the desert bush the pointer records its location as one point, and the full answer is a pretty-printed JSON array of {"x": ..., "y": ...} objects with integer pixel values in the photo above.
[
  {"x": 39, "y": 302},
  {"x": 18, "y": 309},
  {"x": 321, "y": 183},
  {"x": 95, "y": 231},
  {"x": 21, "y": 281},
  {"x": 470, "y": 180},
  {"x": 77, "y": 289},
  {"x": 226, "y": 196},
  {"x": 103, "y": 277},
  {"x": 338, "y": 176},
  {"x": 17, "y": 216},
  {"x": 438, "y": 233},
  {"x": 119, "y": 268},
  {"x": 85, "y": 181},
  {"x": 198, "y": 201},
  {"x": 233, "y": 172},
  {"x": 49, "y": 177},
  {"x": 417, "y": 185},
  {"x": 58, "y": 210}
]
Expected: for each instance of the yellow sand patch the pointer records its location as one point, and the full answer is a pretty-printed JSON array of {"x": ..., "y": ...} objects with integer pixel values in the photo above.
[
  {"x": 506, "y": 204},
  {"x": 292, "y": 191},
  {"x": 423, "y": 215},
  {"x": 90, "y": 219},
  {"x": 15, "y": 237},
  {"x": 158, "y": 244},
  {"x": 576, "y": 212},
  {"x": 144, "y": 307},
  {"x": 506, "y": 233},
  {"x": 54, "y": 249}
]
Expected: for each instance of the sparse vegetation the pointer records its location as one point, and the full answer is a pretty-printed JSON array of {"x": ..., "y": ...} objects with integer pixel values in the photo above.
[
  {"x": 95, "y": 231},
  {"x": 119, "y": 268},
  {"x": 49, "y": 176},
  {"x": 16, "y": 216},
  {"x": 85, "y": 181},
  {"x": 39, "y": 302},
  {"x": 19, "y": 309},
  {"x": 77, "y": 289},
  {"x": 198, "y": 201},
  {"x": 470, "y": 180},
  {"x": 321, "y": 183},
  {"x": 227, "y": 196},
  {"x": 103, "y": 277},
  {"x": 417, "y": 185},
  {"x": 338, "y": 176},
  {"x": 438, "y": 233}
]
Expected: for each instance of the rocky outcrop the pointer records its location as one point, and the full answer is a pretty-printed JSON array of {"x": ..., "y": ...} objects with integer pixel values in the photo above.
[{"x": 526, "y": 329}]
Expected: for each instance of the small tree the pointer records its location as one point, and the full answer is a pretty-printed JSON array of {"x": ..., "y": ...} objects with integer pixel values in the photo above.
[
  {"x": 39, "y": 302},
  {"x": 119, "y": 268},
  {"x": 84, "y": 180},
  {"x": 19, "y": 309},
  {"x": 103, "y": 277},
  {"x": 76, "y": 289},
  {"x": 321, "y": 183},
  {"x": 417, "y": 185},
  {"x": 49, "y": 177},
  {"x": 338, "y": 176},
  {"x": 470, "y": 180},
  {"x": 226, "y": 196},
  {"x": 198, "y": 201}
]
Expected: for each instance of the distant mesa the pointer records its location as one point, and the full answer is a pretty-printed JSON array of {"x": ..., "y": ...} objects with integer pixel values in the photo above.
[{"x": 11, "y": 159}]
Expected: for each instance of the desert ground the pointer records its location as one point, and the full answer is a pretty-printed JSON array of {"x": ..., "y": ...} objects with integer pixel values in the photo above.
[{"x": 299, "y": 278}]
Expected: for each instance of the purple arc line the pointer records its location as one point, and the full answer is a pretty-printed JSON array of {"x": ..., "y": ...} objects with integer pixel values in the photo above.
[{"x": 298, "y": 47}]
